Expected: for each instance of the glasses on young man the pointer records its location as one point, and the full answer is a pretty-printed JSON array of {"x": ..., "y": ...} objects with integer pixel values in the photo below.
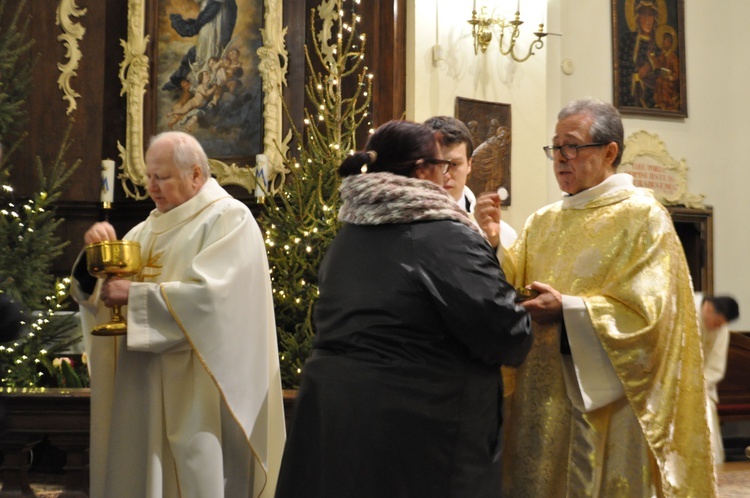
[
  {"x": 444, "y": 164},
  {"x": 568, "y": 151}
]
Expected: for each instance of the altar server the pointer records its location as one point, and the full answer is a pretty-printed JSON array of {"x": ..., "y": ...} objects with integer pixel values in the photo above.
[{"x": 714, "y": 315}]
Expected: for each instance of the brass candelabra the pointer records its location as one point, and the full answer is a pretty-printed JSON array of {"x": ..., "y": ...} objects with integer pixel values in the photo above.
[{"x": 482, "y": 25}]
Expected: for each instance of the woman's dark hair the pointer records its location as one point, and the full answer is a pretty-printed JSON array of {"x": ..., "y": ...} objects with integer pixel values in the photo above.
[{"x": 395, "y": 147}]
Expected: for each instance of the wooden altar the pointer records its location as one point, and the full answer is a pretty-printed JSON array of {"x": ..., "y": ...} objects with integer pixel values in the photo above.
[
  {"x": 30, "y": 414},
  {"x": 734, "y": 389},
  {"x": 63, "y": 416}
]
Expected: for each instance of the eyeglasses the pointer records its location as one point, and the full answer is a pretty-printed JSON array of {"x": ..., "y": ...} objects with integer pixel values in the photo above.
[
  {"x": 568, "y": 151},
  {"x": 445, "y": 164}
]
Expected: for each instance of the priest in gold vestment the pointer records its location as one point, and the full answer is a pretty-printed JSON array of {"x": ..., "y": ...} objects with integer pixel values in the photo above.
[
  {"x": 610, "y": 401},
  {"x": 188, "y": 402}
]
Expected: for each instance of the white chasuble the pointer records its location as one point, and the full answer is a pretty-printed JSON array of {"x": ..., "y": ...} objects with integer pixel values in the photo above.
[{"x": 188, "y": 403}]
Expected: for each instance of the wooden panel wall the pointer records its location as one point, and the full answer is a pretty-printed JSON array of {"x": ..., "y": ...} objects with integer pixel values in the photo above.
[
  {"x": 385, "y": 26},
  {"x": 99, "y": 121},
  {"x": 95, "y": 125}
]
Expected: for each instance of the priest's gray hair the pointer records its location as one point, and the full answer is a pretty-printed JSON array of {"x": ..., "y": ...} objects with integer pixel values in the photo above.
[
  {"x": 186, "y": 151},
  {"x": 607, "y": 126}
]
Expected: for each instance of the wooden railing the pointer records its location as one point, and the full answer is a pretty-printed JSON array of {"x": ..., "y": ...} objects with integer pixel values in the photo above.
[
  {"x": 62, "y": 415},
  {"x": 734, "y": 390}
]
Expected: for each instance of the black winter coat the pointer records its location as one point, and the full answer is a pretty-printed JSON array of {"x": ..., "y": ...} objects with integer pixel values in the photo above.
[{"x": 402, "y": 396}]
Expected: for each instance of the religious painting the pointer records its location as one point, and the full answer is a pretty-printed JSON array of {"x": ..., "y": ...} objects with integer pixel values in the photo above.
[
  {"x": 489, "y": 124},
  {"x": 207, "y": 79},
  {"x": 211, "y": 69},
  {"x": 648, "y": 47}
]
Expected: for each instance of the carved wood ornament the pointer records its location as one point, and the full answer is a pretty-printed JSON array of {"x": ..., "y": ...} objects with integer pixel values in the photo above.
[{"x": 72, "y": 34}]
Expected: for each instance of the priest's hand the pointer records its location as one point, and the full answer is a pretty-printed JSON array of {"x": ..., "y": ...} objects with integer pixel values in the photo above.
[
  {"x": 547, "y": 306},
  {"x": 115, "y": 291},
  {"x": 487, "y": 215},
  {"x": 99, "y": 232}
]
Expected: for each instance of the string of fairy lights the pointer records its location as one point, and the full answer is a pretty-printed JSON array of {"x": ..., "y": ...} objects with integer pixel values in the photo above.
[
  {"x": 21, "y": 358},
  {"x": 303, "y": 219}
]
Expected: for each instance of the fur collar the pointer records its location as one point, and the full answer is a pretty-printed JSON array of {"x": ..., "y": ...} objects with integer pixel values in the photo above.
[{"x": 386, "y": 198}]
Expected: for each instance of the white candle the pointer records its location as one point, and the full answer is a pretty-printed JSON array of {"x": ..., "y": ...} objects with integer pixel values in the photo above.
[
  {"x": 475, "y": 5},
  {"x": 261, "y": 176},
  {"x": 108, "y": 181}
]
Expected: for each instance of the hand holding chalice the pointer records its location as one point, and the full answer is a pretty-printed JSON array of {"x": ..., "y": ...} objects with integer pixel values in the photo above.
[{"x": 120, "y": 258}]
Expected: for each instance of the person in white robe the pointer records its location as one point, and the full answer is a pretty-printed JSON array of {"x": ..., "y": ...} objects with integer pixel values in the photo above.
[
  {"x": 714, "y": 315},
  {"x": 187, "y": 403},
  {"x": 457, "y": 146}
]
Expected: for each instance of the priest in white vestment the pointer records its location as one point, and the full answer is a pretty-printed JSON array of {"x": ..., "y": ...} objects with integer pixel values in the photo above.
[
  {"x": 188, "y": 402},
  {"x": 610, "y": 401},
  {"x": 714, "y": 315}
]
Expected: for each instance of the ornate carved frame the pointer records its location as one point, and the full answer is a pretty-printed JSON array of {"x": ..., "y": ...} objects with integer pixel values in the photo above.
[
  {"x": 134, "y": 77},
  {"x": 648, "y": 147}
]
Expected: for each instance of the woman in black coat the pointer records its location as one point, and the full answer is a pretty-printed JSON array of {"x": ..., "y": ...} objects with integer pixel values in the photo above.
[{"x": 402, "y": 395}]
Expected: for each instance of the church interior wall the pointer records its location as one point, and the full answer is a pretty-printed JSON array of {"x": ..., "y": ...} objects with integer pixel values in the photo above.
[{"x": 710, "y": 139}]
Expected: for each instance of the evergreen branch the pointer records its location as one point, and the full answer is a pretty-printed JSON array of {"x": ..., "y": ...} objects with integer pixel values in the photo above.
[{"x": 302, "y": 220}]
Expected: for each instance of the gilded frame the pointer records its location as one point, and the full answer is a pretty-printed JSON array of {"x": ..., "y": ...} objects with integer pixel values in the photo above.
[
  {"x": 135, "y": 70},
  {"x": 654, "y": 80}
]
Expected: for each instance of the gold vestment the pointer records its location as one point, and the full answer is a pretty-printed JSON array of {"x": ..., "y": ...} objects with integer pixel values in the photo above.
[{"x": 618, "y": 250}]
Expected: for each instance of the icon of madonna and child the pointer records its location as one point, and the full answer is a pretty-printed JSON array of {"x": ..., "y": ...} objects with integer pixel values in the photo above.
[{"x": 208, "y": 81}]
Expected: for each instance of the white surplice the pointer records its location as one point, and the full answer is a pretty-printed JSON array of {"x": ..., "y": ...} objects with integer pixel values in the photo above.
[
  {"x": 715, "y": 351},
  {"x": 188, "y": 403}
]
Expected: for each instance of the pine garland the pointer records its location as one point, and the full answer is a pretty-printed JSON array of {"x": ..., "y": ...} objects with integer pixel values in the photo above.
[{"x": 301, "y": 222}]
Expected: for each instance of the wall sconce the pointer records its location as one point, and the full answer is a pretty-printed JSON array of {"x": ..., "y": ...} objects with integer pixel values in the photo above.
[{"x": 482, "y": 31}]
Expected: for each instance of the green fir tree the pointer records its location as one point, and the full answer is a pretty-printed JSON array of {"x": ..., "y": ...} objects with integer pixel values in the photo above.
[
  {"x": 28, "y": 226},
  {"x": 299, "y": 224},
  {"x": 15, "y": 70}
]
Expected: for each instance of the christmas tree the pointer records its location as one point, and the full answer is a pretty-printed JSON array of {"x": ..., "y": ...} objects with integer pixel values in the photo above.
[
  {"x": 300, "y": 223},
  {"x": 28, "y": 227}
]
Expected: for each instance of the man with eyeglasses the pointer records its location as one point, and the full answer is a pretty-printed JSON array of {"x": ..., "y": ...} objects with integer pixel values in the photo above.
[
  {"x": 610, "y": 400},
  {"x": 456, "y": 146}
]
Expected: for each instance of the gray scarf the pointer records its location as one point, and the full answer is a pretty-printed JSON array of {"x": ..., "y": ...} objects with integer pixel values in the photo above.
[{"x": 385, "y": 198}]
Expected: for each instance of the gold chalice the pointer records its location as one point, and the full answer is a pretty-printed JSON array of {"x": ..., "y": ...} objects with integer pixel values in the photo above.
[{"x": 121, "y": 258}]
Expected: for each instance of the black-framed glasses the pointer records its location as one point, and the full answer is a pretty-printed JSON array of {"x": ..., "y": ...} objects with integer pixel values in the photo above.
[
  {"x": 444, "y": 164},
  {"x": 568, "y": 151}
]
